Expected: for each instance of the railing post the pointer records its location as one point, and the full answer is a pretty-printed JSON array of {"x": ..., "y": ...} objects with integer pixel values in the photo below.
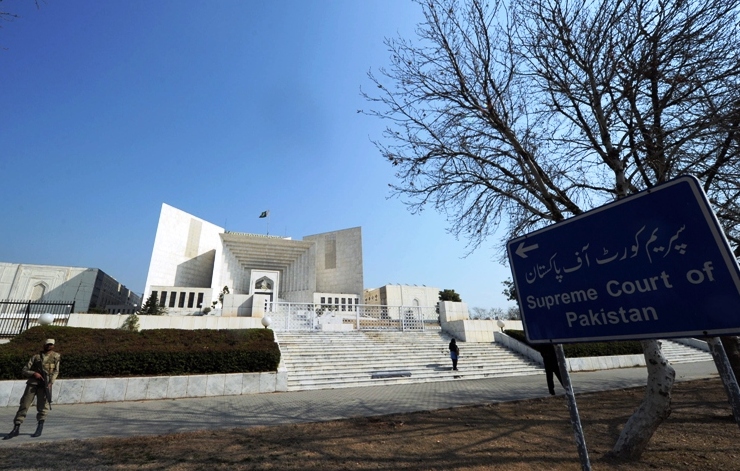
[
  {"x": 27, "y": 319},
  {"x": 288, "y": 317}
]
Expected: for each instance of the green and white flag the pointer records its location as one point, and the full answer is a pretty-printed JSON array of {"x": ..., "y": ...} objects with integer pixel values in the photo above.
[{"x": 264, "y": 214}]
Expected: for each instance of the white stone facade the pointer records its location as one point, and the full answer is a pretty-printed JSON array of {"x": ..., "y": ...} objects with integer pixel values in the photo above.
[
  {"x": 90, "y": 390},
  {"x": 195, "y": 260},
  {"x": 402, "y": 295},
  {"x": 87, "y": 287}
]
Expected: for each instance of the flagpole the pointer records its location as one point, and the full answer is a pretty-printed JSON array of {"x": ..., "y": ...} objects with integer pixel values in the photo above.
[{"x": 264, "y": 214}]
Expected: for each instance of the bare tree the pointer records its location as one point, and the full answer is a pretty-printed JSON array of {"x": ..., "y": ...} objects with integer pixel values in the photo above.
[
  {"x": 522, "y": 116},
  {"x": 8, "y": 16},
  {"x": 483, "y": 313},
  {"x": 513, "y": 313}
]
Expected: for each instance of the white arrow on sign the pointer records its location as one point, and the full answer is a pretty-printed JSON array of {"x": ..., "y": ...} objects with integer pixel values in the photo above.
[{"x": 522, "y": 250}]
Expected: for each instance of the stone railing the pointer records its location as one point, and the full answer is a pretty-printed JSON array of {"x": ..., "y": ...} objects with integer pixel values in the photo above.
[
  {"x": 574, "y": 364},
  {"x": 696, "y": 343}
]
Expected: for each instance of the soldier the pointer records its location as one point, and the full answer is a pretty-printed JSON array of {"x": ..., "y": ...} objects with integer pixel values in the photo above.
[{"x": 42, "y": 370}]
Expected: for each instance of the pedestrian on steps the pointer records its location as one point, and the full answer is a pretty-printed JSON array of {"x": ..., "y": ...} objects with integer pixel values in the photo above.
[{"x": 454, "y": 353}]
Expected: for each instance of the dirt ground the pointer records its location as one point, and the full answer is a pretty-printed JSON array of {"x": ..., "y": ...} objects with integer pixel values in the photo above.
[{"x": 536, "y": 434}]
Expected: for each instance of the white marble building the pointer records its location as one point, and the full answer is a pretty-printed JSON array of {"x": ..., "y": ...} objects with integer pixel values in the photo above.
[
  {"x": 88, "y": 288},
  {"x": 193, "y": 260},
  {"x": 402, "y": 295}
]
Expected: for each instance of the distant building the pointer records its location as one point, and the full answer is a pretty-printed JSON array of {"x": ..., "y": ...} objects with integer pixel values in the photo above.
[
  {"x": 402, "y": 295},
  {"x": 88, "y": 288},
  {"x": 193, "y": 260}
]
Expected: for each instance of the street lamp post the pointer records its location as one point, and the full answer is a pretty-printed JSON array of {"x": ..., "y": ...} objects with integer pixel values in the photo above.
[{"x": 501, "y": 324}]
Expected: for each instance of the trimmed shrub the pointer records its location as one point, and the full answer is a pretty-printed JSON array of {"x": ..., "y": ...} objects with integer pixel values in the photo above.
[
  {"x": 97, "y": 353},
  {"x": 591, "y": 349}
]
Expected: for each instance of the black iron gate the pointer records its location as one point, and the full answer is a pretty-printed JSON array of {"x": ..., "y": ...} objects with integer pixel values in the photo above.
[{"x": 18, "y": 316}]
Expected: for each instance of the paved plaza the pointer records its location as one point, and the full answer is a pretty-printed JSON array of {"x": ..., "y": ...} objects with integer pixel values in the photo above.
[{"x": 127, "y": 419}]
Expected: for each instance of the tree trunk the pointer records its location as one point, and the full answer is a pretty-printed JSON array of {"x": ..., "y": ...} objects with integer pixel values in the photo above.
[
  {"x": 732, "y": 348},
  {"x": 655, "y": 407},
  {"x": 729, "y": 381}
]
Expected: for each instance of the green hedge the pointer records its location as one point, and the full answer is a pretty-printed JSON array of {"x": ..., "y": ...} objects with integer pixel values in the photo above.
[
  {"x": 593, "y": 349},
  {"x": 100, "y": 353}
]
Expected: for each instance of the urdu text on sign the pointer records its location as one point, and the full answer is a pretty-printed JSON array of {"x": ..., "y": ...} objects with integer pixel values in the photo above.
[{"x": 653, "y": 265}]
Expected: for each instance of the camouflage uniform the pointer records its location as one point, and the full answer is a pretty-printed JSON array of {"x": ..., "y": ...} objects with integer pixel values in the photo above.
[{"x": 36, "y": 388}]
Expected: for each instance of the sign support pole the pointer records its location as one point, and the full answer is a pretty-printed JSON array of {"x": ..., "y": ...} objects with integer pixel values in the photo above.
[
  {"x": 575, "y": 418},
  {"x": 728, "y": 376}
]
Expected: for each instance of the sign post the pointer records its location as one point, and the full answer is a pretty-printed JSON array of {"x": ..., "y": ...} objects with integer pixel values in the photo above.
[
  {"x": 653, "y": 265},
  {"x": 575, "y": 418}
]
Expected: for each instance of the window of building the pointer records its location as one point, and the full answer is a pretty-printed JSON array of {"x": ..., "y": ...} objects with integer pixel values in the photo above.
[
  {"x": 182, "y": 299},
  {"x": 336, "y": 300},
  {"x": 191, "y": 299},
  {"x": 163, "y": 299},
  {"x": 323, "y": 300},
  {"x": 330, "y": 253},
  {"x": 200, "y": 299},
  {"x": 173, "y": 298},
  {"x": 38, "y": 292}
]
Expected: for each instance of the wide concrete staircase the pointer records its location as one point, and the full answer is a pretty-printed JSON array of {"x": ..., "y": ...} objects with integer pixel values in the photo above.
[
  {"x": 679, "y": 353},
  {"x": 325, "y": 360}
]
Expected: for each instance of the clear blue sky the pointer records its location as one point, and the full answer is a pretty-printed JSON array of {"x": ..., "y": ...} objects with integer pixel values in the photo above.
[{"x": 222, "y": 109}]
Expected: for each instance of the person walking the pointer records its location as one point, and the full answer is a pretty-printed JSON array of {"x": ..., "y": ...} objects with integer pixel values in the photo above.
[
  {"x": 550, "y": 360},
  {"x": 41, "y": 370},
  {"x": 454, "y": 353}
]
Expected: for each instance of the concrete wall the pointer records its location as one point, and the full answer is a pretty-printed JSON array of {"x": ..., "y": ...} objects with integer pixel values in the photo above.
[
  {"x": 80, "y": 391},
  {"x": 87, "y": 287},
  {"x": 339, "y": 261},
  {"x": 239, "y": 305},
  {"x": 451, "y": 311},
  {"x": 453, "y": 317},
  {"x": 185, "y": 251},
  {"x": 472, "y": 330},
  {"x": 574, "y": 364},
  {"x": 402, "y": 295},
  {"x": 299, "y": 280},
  {"x": 230, "y": 273},
  {"x": 106, "y": 321}
]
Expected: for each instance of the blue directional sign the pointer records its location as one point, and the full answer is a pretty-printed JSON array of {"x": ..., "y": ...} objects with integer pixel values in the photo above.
[{"x": 653, "y": 265}]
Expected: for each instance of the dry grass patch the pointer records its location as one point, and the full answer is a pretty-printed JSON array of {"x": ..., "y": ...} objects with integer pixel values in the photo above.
[{"x": 523, "y": 435}]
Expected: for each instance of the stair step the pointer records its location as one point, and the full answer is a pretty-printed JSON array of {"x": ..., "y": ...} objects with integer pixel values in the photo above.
[{"x": 319, "y": 360}]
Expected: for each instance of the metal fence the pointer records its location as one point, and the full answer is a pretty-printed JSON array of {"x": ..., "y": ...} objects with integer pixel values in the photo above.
[
  {"x": 18, "y": 316},
  {"x": 309, "y": 317}
]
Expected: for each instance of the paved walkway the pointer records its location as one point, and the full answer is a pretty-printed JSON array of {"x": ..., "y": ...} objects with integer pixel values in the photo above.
[{"x": 125, "y": 419}]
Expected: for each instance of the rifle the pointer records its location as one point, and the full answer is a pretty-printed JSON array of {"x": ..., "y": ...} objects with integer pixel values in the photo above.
[{"x": 47, "y": 385}]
